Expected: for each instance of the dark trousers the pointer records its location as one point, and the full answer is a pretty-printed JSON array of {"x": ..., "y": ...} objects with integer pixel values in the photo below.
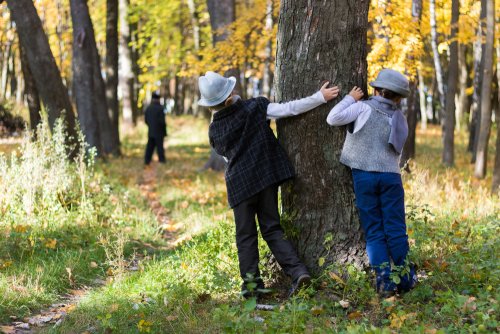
[
  {"x": 380, "y": 201},
  {"x": 265, "y": 206},
  {"x": 154, "y": 142}
]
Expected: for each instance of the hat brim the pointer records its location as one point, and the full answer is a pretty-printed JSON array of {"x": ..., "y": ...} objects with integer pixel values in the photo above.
[
  {"x": 222, "y": 97},
  {"x": 391, "y": 87}
]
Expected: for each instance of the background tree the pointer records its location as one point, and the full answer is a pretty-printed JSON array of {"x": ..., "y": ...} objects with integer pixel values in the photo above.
[
  {"x": 449, "y": 115},
  {"x": 319, "y": 203},
  {"x": 42, "y": 64},
  {"x": 222, "y": 14},
  {"x": 111, "y": 69},
  {"x": 487, "y": 79},
  {"x": 126, "y": 74}
]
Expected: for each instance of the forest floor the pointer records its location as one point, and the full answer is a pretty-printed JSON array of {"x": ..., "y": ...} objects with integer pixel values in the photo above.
[{"x": 124, "y": 249}]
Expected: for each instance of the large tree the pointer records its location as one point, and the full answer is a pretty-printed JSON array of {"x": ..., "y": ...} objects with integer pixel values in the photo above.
[
  {"x": 30, "y": 91},
  {"x": 320, "y": 40},
  {"x": 46, "y": 75},
  {"x": 88, "y": 84}
]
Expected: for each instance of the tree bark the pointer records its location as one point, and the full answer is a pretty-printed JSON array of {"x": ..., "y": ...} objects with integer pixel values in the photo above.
[
  {"x": 126, "y": 74},
  {"x": 437, "y": 63},
  {"x": 462, "y": 100},
  {"x": 43, "y": 66},
  {"x": 112, "y": 70},
  {"x": 448, "y": 156},
  {"x": 267, "y": 76},
  {"x": 495, "y": 187},
  {"x": 478, "y": 78},
  {"x": 413, "y": 104},
  {"x": 83, "y": 74},
  {"x": 423, "y": 100},
  {"x": 31, "y": 92},
  {"x": 487, "y": 67},
  {"x": 222, "y": 13},
  {"x": 321, "y": 218}
]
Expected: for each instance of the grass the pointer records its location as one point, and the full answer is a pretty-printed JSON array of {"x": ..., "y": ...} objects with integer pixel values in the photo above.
[{"x": 193, "y": 288}]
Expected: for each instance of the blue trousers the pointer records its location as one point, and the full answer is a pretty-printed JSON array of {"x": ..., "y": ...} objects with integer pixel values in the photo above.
[{"x": 380, "y": 201}]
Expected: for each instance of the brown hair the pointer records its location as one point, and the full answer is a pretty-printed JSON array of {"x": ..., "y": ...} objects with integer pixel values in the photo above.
[{"x": 388, "y": 94}]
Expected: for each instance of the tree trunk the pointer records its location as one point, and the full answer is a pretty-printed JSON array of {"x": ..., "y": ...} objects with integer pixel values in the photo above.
[
  {"x": 495, "y": 187},
  {"x": 42, "y": 64},
  {"x": 448, "y": 157},
  {"x": 222, "y": 13},
  {"x": 319, "y": 203},
  {"x": 267, "y": 76},
  {"x": 413, "y": 104},
  {"x": 462, "y": 100},
  {"x": 83, "y": 74},
  {"x": 126, "y": 74},
  {"x": 7, "y": 55},
  {"x": 196, "y": 38},
  {"x": 485, "y": 122},
  {"x": 435, "y": 53},
  {"x": 423, "y": 100},
  {"x": 112, "y": 70},
  {"x": 478, "y": 78},
  {"x": 30, "y": 91}
]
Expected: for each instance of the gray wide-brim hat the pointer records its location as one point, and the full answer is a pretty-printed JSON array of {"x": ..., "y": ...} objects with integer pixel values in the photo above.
[
  {"x": 393, "y": 81},
  {"x": 214, "y": 89}
]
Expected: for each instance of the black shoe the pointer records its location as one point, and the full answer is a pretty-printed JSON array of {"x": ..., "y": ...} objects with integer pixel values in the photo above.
[{"x": 302, "y": 281}]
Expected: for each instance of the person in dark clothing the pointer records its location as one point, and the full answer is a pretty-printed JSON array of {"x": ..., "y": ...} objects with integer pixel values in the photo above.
[
  {"x": 157, "y": 130},
  {"x": 257, "y": 165}
]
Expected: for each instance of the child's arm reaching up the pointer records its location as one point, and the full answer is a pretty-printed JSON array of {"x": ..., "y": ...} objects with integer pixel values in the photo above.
[
  {"x": 347, "y": 110},
  {"x": 297, "y": 107}
]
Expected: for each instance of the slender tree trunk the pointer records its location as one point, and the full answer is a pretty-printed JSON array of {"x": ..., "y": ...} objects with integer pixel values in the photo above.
[
  {"x": 42, "y": 64},
  {"x": 485, "y": 123},
  {"x": 31, "y": 92},
  {"x": 462, "y": 100},
  {"x": 319, "y": 203},
  {"x": 196, "y": 38},
  {"x": 126, "y": 75},
  {"x": 112, "y": 70},
  {"x": 267, "y": 76},
  {"x": 412, "y": 103},
  {"x": 83, "y": 74},
  {"x": 7, "y": 55},
  {"x": 423, "y": 100},
  {"x": 448, "y": 157},
  {"x": 435, "y": 52},
  {"x": 478, "y": 78}
]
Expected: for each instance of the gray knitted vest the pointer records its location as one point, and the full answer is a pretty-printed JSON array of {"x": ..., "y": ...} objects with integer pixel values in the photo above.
[{"x": 368, "y": 149}]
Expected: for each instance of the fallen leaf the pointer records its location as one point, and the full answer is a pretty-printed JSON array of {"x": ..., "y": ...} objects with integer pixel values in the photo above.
[
  {"x": 317, "y": 310},
  {"x": 8, "y": 329},
  {"x": 354, "y": 315},
  {"x": 93, "y": 264},
  {"x": 336, "y": 277}
]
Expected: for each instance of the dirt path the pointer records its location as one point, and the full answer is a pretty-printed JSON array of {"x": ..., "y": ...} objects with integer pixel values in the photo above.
[{"x": 55, "y": 314}]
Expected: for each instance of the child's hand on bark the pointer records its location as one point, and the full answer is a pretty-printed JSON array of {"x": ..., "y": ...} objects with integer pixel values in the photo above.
[
  {"x": 357, "y": 93},
  {"x": 329, "y": 93}
]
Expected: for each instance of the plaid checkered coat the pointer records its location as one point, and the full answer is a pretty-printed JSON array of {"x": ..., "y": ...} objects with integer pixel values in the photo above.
[{"x": 242, "y": 134}]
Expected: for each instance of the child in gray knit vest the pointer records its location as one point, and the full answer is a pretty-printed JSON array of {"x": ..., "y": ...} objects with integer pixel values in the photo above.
[{"x": 372, "y": 149}]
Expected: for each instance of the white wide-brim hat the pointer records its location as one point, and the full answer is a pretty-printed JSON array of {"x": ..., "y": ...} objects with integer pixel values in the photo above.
[
  {"x": 214, "y": 89},
  {"x": 393, "y": 81}
]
